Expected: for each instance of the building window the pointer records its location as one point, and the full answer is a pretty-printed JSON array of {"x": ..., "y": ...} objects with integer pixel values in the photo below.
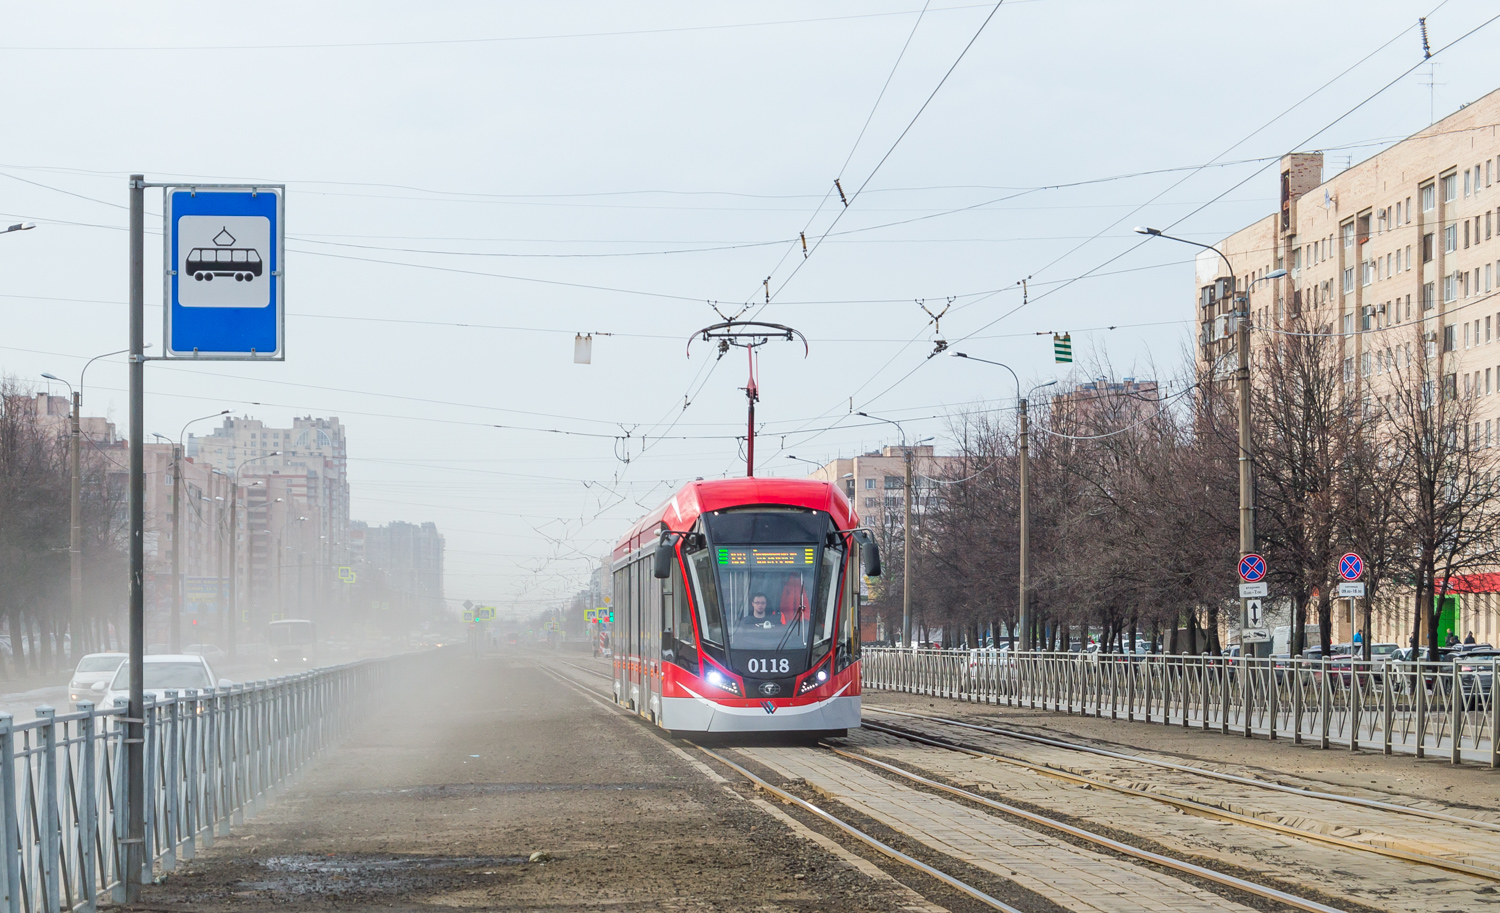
[
  {"x": 1427, "y": 297},
  {"x": 1449, "y": 336},
  {"x": 1466, "y": 182},
  {"x": 1450, "y": 287},
  {"x": 1349, "y": 234},
  {"x": 893, "y": 482},
  {"x": 1427, "y": 248},
  {"x": 1450, "y": 188},
  {"x": 869, "y": 483},
  {"x": 1349, "y": 280},
  {"x": 1429, "y": 198},
  {"x": 1450, "y": 239},
  {"x": 1348, "y": 370},
  {"x": 1364, "y": 364}
]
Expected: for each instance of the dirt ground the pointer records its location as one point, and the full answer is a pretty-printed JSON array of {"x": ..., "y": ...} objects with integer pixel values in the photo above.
[
  {"x": 442, "y": 800},
  {"x": 1433, "y": 779}
]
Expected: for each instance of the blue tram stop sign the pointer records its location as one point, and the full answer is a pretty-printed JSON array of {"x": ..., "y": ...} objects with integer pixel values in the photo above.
[{"x": 224, "y": 281}]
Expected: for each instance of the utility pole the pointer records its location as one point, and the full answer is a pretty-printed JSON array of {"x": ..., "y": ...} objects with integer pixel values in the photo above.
[
  {"x": 1023, "y": 605},
  {"x": 1023, "y": 420},
  {"x": 135, "y": 743},
  {"x": 176, "y": 633},
  {"x": 75, "y": 536},
  {"x": 234, "y": 566},
  {"x": 1242, "y": 383},
  {"x": 906, "y": 543}
]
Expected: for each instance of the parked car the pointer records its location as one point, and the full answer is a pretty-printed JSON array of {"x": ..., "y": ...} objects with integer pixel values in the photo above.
[
  {"x": 163, "y": 672},
  {"x": 91, "y": 669},
  {"x": 211, "y": 652},
  {"x": 1476, "y": 669}
]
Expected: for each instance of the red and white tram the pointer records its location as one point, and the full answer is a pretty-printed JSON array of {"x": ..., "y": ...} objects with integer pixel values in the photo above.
[{"x": 737, "y": 608}]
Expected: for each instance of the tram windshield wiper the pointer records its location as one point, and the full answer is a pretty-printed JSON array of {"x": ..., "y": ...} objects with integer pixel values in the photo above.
[{"x": 801, "y": 611}]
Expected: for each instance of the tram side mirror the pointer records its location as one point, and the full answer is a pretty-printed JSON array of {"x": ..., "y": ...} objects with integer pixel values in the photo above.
[
  {"x": 869, "y": 550},
  {"x": 662, "y": 567}
]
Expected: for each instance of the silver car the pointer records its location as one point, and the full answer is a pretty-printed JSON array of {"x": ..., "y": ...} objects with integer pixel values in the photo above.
[{"x": 91, "y": 669}]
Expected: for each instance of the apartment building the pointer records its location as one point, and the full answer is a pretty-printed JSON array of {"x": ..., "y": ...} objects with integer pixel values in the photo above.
[
  {"x": 294, "y": 521},
  {"x": 1396, "y": 252},
  {"x": 1102, "y": 399}
]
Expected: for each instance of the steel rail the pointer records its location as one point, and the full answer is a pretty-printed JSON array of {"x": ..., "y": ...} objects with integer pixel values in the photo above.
[
  {"x": 1196, "y": 807},
  {"x": 1177, "y": 865},
  {"x": 870, "y": 841},
  {"x": 819, "y": 813},
  {"x": 1184, "y": 768}
]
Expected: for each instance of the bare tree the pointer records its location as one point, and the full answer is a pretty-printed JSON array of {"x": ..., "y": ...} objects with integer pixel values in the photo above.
[{"x": 1448, "y": 511}]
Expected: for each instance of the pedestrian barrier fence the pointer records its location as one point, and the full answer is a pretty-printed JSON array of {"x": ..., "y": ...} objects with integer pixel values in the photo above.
[
  {"x": 212, "y": 757},
  {"x": 1447, "y": 709}
]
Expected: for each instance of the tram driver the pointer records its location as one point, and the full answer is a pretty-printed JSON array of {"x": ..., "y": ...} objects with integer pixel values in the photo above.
[{"x": 760, "y": 614}]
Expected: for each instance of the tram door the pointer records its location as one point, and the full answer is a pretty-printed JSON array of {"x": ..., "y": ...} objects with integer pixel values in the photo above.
[
  {"x": 650, "y": 636},
  {"x": 633, "y": 634}
]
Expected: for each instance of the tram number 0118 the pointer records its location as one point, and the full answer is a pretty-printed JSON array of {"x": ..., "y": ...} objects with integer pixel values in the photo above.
[{"x": 766, "y": 666}]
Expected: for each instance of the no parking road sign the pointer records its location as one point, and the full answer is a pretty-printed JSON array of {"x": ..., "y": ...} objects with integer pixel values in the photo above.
[
  {"x": 1252, "y": 568},
  {"x": 1351, "y": 566},
  {"x": 223, "y": 272}
]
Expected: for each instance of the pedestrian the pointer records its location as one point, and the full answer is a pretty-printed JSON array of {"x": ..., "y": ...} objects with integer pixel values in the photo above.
[
  {"x": 1469, "y": 639},
  {"x": 1359, "y": 639},
  {"x": 1452, "y": 640}
]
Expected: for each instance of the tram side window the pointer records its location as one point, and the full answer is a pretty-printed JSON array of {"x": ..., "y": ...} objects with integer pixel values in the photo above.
[
  {"x": 622, "y": 601},
  {"x": 849, "y": 632},
  {"x": 683, "y": 608},
  {"x": 705, "y": 585}
]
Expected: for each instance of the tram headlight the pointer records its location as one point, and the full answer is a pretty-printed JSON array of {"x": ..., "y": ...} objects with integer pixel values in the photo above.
[
  {"x": 814, "y": 680},
  {"x": 719, "y": 680}
]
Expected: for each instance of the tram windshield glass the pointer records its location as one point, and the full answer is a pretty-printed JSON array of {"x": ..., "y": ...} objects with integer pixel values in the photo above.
[{"x": 767, "y": 588}]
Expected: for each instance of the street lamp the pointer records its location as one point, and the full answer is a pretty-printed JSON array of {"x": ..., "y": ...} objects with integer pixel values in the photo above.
[
  {"x": 1023, "y": 419},
  {"x": 809, "y": 462},
  {"x": 18, "y": 226},
  {"x": 75, "y": 533},
  {"x": 906, "y": 539},
  {"x": 176, "y": 630},
  {"x": 1242, "y": 377}
]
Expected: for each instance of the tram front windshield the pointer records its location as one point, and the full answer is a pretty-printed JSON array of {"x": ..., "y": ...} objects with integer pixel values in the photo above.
[{"x": 767, "y": 586}]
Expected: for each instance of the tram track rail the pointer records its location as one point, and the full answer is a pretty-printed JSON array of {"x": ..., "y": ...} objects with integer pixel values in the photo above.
[
  {"x": 1376, "y": 804},
  {"x": 1190, "y": 806},
  {"x": 1180, "y": 866},
  {"x": 1082, "y": 835}
]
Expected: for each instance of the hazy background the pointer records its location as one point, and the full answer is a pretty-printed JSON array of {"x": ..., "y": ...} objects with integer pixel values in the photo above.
[{"x": 471, "y": 184}]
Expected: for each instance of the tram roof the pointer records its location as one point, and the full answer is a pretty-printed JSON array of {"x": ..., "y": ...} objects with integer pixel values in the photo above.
[{"x": 682, "y": 510}]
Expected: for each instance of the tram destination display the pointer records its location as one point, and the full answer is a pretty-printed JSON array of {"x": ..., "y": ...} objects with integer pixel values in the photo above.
[{"x": 759, "y": 556}]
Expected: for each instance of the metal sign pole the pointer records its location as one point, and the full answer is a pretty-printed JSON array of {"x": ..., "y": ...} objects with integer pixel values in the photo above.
[{"x": 134, "y": 728}]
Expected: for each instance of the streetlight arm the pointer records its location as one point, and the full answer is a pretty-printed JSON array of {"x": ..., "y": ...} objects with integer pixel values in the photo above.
[
  {"x": 1157, "y": 233},
  {"x": 996, "y": 363},
  {"x": 202, "y": 418},
  {"x": 888, "y": 422}
]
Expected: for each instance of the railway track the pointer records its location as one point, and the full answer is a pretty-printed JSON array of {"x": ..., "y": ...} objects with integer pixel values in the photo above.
[
  {"x": 1373, "y": 836},
  {"x": 735, "y": 761}
]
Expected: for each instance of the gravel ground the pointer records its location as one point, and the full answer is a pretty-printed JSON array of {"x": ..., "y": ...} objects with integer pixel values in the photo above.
[
  {"x": 446, "y": 797},
  {"x": 1340, "y": 770}
]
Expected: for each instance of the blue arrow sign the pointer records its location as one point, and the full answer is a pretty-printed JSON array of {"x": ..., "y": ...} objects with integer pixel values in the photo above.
[
  {"x": 224, "y": 279},
  {"x": 1252, "y": 568},
  {"x": 1351, "y": 566}
]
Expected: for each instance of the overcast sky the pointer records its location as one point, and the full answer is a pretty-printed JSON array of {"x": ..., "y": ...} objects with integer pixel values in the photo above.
[{"x": 469, "y": 185}]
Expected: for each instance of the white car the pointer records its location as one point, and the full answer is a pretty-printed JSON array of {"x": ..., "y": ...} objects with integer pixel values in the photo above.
[
  {"x": 211, "y": 652},
  {"x": 164, "y": 672},
  {"x": 91, "y": 669}
]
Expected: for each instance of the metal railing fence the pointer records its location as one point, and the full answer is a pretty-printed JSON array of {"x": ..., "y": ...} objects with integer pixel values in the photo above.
[
  {"x": 212, "y": 757},
  {"x": 1447, "y": 709}
]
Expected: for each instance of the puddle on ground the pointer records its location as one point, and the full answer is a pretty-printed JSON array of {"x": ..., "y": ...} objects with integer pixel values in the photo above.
[{"x": 308, "y": 874}]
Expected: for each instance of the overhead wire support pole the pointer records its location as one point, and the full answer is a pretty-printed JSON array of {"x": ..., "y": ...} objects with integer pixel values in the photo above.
[
  {"x": 1023, "y": 516},
  {"x": 1241, "y": 302},
  {"x": 135, "y": 849},
  {"x": 906, "y": 536}
]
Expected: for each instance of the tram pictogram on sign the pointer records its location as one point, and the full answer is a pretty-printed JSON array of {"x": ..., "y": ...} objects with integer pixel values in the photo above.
[{"x": 1252, "y": 568}]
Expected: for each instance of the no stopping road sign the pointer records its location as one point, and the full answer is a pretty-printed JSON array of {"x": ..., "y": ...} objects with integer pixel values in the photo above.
[{"x": 1252, "y": 568}]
